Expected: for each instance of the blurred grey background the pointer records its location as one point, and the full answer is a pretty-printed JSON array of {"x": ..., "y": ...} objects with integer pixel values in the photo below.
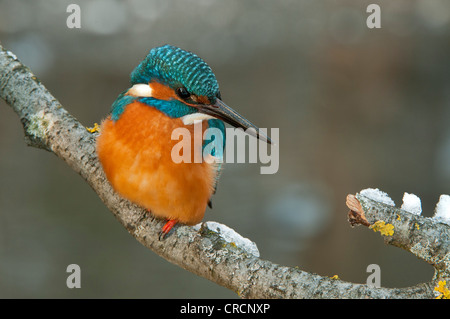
[{"x": 356, "y": 108}]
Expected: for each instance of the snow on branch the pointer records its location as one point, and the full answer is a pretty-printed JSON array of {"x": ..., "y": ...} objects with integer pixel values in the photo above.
[{"x": 405, "y": 227}]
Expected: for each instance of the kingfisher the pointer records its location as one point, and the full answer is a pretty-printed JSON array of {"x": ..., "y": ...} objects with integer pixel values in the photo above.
[{"x": 170, "y": 89}]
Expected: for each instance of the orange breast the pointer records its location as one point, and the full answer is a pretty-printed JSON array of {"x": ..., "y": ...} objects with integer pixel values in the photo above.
[{"x": 135, "y": 152}]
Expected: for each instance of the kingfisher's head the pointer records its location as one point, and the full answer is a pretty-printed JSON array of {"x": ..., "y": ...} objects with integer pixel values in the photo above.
[{"x": 181, "y": 85}]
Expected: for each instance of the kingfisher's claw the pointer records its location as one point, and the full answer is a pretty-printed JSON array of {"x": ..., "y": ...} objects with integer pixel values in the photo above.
[{"x": 166, "y": 228}]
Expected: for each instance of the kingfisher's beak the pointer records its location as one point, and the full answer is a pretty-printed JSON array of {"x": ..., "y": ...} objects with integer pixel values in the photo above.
[{"x": 225, "y": 113}]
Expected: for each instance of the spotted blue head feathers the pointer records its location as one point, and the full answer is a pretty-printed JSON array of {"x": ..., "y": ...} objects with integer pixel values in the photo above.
[{"x": 177, "y": 68}]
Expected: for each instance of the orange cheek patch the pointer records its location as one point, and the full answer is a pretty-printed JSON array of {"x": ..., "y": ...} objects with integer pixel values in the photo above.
[
  {"x": 203, "y": 100},
  {"x": 162, "y": 92}
]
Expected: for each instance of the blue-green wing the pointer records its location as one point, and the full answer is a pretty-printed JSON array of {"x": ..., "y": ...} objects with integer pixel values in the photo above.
[{"x": 215, "y": 143}]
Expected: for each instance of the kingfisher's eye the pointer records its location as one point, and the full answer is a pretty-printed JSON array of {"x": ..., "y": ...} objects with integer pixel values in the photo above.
[{"x": 183, "y": 93}]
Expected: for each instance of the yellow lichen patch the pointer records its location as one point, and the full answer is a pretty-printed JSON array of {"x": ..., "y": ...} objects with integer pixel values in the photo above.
[
  {"x": 336, "y": 277},
  {"x": 444, "y": 292},
  {"x": 417, "y": 226},
  {"x": 94, "y": 129},
  {"x": 232, "y": 244},
  {"x": 383, "y": 228},
  {"x": 398, "y": 217}
]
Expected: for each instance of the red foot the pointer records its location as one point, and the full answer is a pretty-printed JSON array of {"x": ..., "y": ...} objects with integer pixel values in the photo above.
[{"x": 166, "y": 228}]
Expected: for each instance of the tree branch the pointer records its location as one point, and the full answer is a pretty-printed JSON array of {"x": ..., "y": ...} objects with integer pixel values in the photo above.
[
  {"x": 424, "y": 237},
  {"x": 203, "y": 251}
]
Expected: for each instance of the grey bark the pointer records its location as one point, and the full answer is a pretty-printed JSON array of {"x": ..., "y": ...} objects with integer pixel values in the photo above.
[{"x": 49, "y": 126}]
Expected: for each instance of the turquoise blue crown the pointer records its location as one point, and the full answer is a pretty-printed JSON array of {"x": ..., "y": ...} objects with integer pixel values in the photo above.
[{"x": 177, "y": 68}]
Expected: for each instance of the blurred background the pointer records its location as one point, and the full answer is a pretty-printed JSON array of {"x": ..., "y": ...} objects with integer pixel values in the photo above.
[{"x": 356, "y": 108}]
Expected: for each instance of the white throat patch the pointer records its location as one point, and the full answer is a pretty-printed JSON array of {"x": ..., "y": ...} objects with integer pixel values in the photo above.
[{"x": 191, "y": 118}]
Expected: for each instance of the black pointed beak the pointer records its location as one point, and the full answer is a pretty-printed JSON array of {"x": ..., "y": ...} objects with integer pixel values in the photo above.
[{"x": 225, "y": 113}]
